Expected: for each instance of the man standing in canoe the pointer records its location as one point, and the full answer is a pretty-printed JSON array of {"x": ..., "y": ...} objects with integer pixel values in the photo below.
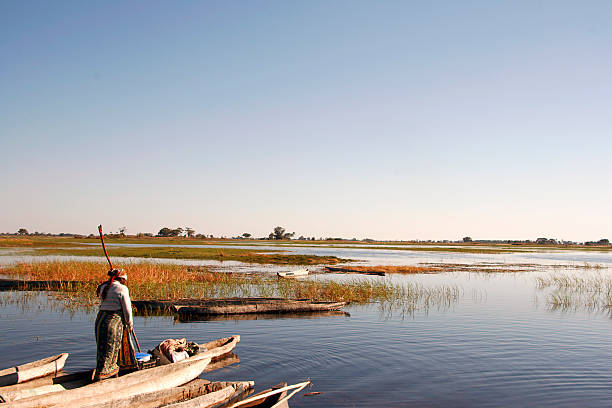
[{"x": 113, "y": 326}]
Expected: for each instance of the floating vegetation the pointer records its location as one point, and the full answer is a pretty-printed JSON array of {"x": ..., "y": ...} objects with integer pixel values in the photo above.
[
  {"x": 161, "y": 282},
  {"x": 572, "y": 292}
]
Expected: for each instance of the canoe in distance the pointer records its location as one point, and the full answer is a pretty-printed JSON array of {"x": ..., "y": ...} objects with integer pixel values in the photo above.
[
  {"x": 293, "y": 274},
  {"x": 244, "y": 306},
  {"x": 35, "y": 369}
]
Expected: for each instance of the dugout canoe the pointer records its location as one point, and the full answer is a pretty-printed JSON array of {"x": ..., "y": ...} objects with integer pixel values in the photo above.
[
  {"x": 244, "y": 306},
  {"x": 221, "y": 397},
  {"x": 167, "y": 305},
  {"x": 275, "y": 397},
  {"x": 261, "y": 316},
  {"x": 139, "y": 382},
  {"x": 198, "y": 390},
  {"x": 80, "y": 382},
  {"x": 35, "y": 369},
  {"x": 349, "y": 270}
]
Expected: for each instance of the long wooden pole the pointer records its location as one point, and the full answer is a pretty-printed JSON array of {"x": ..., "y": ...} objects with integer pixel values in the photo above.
[
  {"x": 111, "y": 267},
  {"x": 104, "y": 246}
]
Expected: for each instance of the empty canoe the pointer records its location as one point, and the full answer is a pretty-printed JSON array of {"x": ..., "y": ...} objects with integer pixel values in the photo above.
[
  {"x": 35, "y": 369},
  {"x": 221, "y": 306},
  {"x": 292, "y": 274}
]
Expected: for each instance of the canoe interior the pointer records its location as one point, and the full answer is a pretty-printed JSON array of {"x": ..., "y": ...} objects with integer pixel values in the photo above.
[
  {"x": 265, "y": 402},
  {"x": 260, "y": 316}
]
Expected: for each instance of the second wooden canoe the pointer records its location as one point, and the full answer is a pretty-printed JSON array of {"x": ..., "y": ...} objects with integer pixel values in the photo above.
[
  {"x": 35, "y": 369},
  {"x": 222, "y": 307}
]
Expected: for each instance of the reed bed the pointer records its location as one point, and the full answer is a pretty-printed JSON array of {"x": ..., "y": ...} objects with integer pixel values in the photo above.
[
  {"x": 398, "y": 269},
  {"x": 157, "y": 281}
]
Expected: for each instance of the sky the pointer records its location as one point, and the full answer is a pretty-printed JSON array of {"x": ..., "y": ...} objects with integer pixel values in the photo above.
[{"x": 357, "y": 119}]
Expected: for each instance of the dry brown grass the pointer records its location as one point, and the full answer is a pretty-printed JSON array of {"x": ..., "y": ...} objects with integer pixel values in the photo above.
[
  {"x": 156, "y": 281},
  {"x": 403, "y": 269}
]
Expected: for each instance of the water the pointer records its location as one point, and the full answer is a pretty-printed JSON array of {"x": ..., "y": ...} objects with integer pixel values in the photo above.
[{"x": 498, "y": 345}]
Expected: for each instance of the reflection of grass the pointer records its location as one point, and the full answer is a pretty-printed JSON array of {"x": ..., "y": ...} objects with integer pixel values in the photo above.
[
  {"x": 155, "y": 281},
  {"x": 216, "y": 254}
]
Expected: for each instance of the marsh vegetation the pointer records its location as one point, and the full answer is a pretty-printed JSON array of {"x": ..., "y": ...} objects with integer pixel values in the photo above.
[
  {"x": 572, "y": 291},
  {"x": 157, "y": 281}
]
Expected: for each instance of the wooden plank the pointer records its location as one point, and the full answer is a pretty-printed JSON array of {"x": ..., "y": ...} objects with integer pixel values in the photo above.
[{"x": 349, "y": 270}]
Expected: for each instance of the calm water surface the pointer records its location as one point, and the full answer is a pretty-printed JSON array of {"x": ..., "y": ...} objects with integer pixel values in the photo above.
[{"x": 499, "y": 345}]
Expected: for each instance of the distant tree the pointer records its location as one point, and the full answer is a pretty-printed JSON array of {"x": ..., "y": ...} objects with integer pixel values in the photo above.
[
  {"x": 164, "y": 232},
  {"x": 22, "y": 231},
  {"x": 467, "y": 239},
  {"x": 279, "y": 233},
  {"x": 189, "y": 232},
  {"x": 122, "y": 231},
  {"x": 246, "y": 235},
  {"x": 604, "y": 241},
  {"x": 167, "y": 232}
]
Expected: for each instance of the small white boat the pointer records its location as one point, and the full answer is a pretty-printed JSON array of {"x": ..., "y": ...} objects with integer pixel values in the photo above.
[
  {"x": 35, "y": 369},
  {"x": 291, "y": 274}
]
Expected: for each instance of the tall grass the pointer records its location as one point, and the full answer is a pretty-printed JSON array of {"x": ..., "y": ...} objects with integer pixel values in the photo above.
[{"x": 156, "y": 281}]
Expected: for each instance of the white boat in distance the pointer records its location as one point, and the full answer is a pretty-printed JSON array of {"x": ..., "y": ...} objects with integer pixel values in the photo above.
[{"x": 290, "y": 274}]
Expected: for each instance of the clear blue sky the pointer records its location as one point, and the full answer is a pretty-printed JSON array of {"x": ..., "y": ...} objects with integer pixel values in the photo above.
[{"x": 387, "y": 120}]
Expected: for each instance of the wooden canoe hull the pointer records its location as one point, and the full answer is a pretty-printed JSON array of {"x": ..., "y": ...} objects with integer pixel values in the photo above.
[
  {"x": 215, "y": 351},
  {"x": 139, "y": 382},
  {"x": 275, "y": 397},
  {"x": 216, "y": 398},
  {"x": 198, "y": 389},
  {"x": 285, "y": 306},
  {"x": 167, "y": 305},
  {"x": 35, "y": 369}
]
